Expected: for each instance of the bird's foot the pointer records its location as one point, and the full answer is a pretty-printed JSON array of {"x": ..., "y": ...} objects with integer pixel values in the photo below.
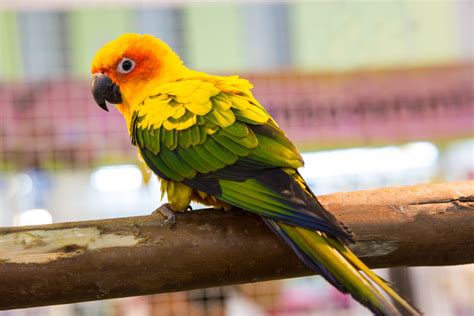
[{"x": 166, "y": 211}]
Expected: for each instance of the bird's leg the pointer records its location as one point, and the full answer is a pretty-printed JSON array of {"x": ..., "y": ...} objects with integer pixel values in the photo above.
[{"x": 166, "y": 211}]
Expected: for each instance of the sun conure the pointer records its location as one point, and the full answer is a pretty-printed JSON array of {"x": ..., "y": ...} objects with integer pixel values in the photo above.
[{"x": 209, "y": 140}]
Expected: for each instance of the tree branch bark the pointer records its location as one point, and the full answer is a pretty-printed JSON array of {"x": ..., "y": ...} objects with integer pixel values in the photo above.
[{"x": 430, "y": 224}]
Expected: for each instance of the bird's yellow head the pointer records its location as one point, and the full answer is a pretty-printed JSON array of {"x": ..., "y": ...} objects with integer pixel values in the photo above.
[{"x": 123, "y": 68}]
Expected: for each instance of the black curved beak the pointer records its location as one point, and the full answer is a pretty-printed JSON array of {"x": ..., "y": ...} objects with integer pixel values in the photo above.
[{"x": 103, "y": 89}]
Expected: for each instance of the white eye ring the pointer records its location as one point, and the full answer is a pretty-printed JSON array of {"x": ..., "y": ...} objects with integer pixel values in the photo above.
[{"x": 125, "y": 66}]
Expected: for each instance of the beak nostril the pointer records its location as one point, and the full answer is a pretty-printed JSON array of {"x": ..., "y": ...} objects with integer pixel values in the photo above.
[{"x": 103, "y": 89}]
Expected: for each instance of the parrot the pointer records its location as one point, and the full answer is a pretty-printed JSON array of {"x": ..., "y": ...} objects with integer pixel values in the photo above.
[{"x": 210, "y": 141}]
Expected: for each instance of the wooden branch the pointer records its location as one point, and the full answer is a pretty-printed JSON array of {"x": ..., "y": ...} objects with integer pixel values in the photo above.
[{"x": 430, "y": 224}]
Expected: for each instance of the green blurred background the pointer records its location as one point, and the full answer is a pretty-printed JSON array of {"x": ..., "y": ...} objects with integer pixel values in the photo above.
[{"x": 247, "y": 36}]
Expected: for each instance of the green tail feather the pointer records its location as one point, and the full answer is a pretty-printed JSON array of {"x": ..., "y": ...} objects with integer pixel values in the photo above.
[{"x": 329, "y": 256}]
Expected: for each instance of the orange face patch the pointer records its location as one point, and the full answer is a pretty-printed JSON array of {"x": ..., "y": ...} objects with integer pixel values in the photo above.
[
  {"x": 147, "y": 66},
  {"x": 154, "y": 63}
]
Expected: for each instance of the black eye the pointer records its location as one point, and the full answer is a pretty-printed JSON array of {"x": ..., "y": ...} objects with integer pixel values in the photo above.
[{"x": 125, "y": 65}]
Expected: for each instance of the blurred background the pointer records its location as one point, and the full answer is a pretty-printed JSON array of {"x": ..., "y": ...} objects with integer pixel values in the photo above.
[{"x": 375, "y": 93}]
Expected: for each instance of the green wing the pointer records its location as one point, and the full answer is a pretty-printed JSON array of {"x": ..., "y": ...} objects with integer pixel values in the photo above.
[{"x": 214, "y": 136}]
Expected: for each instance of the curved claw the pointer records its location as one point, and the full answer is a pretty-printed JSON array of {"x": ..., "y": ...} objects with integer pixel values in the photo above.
[{"x": 166, "y": 211}]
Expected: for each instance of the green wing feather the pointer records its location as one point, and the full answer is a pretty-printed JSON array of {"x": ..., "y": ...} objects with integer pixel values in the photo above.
[
  {"x": 212, "y": 135},
  {"x": 205, "y": 126}
]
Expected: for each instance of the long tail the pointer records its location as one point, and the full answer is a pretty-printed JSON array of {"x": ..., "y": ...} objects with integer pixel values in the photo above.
[{"x": 339, "y": 266}]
